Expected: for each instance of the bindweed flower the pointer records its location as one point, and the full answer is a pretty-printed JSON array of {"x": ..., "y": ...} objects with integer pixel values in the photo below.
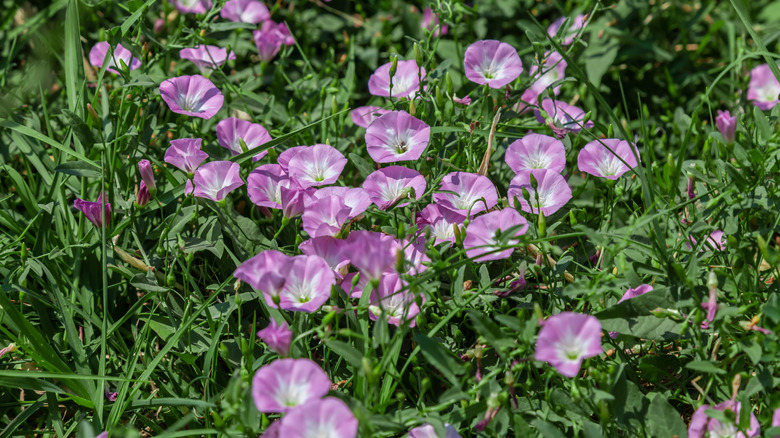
[
  {"x": 206, "y": 57},
  {"x": 406, "y": 81},
  {"x": 551, "y": 69},
  {"x": 272, "y": 431},
  {"x": 12, "y": 347},
  {"x": 101, "y": 53},
  {"x": 147, "y": 174},
  {"x": 569, "y": 34},
  {"x": 552, "y": 191},
  {"x": 715, "y": 241},
  {"x": 264, "y": 184},
  {"x": 414, "y": 253},
  {"x": 278, "y": 337},
  {"x": 702, "y": 426},
  {"x": 308, "y": 280},
  {"x": 536, "y": 151},
  {"x": 430, "y": 22},
  {"x": 331, "y": 250},
  {"x": 142, "y": 197},
  {"x": 263, "y": 273},
  {"x": 390, "y": 299},
  {"x": 268, "y": 44},
  {"x": 357, "y": 199},
  {"x": 441, "y": 221},
  {"x": 214, "y": 180},
  {"x": 711, "y": 306},
  {"x": 388, "y": 186},
  {"x": 363, "y": 116},
  {"x": 562, "y": 117},
  {"x": 95, "y": 211},
  {"x": 326, "y": 216},
  {"x": 192, "y": 6},
  {"x": 317, "y": 165},
  {"x": 482, "y": 243},
  {"x": 397, "y": 136},
  {"x": 285, "y": 384},
  {"x": 764, "y": 87},
  {"x": 280, "y": 30},
  {"x": 471, "y": 191},
  {"x": 465, "y": 100},
  {"x": 493, "y": 63},
  {"x": 327, "y": 418},
  {"x": 727, "y": 125},
  {"x": 245, "y": 11},
  {"x": 372, "y": 253},
  {"x": 194, "y": 96},
  {"x": 566, "y": 339},
  {"x": 284, "y": 158},
  {"x": 427, "y": 431},
  {"x": 185, "y": 154},
  {"x": 231, "y": 131},
  {"x": 294, "y": 200},
  {"x": 596, "y": 159},
  {"x": 354, "y": 290}
]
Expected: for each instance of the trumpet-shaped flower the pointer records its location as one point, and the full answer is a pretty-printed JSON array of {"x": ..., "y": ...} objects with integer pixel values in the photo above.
[
  {"x": 405, "y": 83},
  {"x": 326, "y": 418},
  {"x": 430, "y": 22},
  {"x": 206, "y": 56},
  {"x": 364, "y": 115},
  {"x": 285, "y": 156},
  {"x": 566, "y": 339},
  {"x": 268, "y": 44},
  {"x": 390, "y": 299},
  {"x": 562, "y": 117},
  {"x": 214, "y": 180},
  {"x": 331, "y": 250},
  {"x": 185, "y": 154},
  {"x": 278, "y": 337},
  {"x": 231, "y": 131},
  {"x": 194, "y": 96},
  {"x": 397, "y": 136},
  {"x": 552, "y": 191},
  {"x": 470, "y": 191},
  {"x": 372, "y": 253},
  {"x": 95, "y": 211},
  {"x": 764, "y": 88},
  {"x": 285, "y": 384},
  {"x": 245, "y": 11},
  {"x": 326, "y": 216},
  {"x": 192, "y": 6},
  {"x": 263, "y": 273},
  {"x": 536, "y": 151},
  {"x": 263, "y": 185},
  {"x": 727, "y": 125},
  {"x": 702, "y": 426},
  {"x": 308, "y": 280},
  {"x": 441, "y": 221},
  {"x": 357, "y": 199},
  {"x": 317, "y": 165},
  {"x": 596, "y": 159},
  {"x": 492, "y": 62},
  {"x": 391, "y": 184},
  {"x": 569, "y": 34},
  {"x": 427, "y": 431},
  {"x": 101, "y": 53},
  {"x": 482, "y": 242}
]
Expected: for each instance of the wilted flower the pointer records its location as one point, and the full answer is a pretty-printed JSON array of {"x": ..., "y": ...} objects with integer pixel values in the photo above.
[
  {"x": 702, "y": 426},
  {"x": 427, "y": 431},
  {"x": 192, "y": 6},
  {"x": 569, "y": 34},
  {"x": 329, "y": 417},
  {"x": 326, "y": 216},
  {"x": 214, "y": 180},
  {"x": 185, "y": 154},
  {"x": 406, "y": 81},
  {"x": 566, "y": 339},
  {"x": 206, "y": 56},
  {"x": 317, "y": 165},
  {"x": 278, "y": 337},
  {"x": 101, "y": 53},
  {"x": 597, "y": 159},
  {"x": 147, "y": 174},
  {"x": 231, "y": 130},
  {"x": 391, "y": 184},
  {"x": 562, "y": 117},
  {"x": 397, "y": 136},
  {"x": 536, "y": 151},
  {"x": 727, "y": 125},
  {"x": 390, "y": 299},
  {"x": 481, "y": 242},
  {"x": 285, "y": 384},
  {"x": 441, "y": 221},
  {"x": 263, "y": 273},
  {"x": 245, "y": 11},
  {"x": 95, "y": 211},
  {"x": 331, "y": 250},
  {"x": 12, "y": 347},
  {"x": 192, "y": 96},
  {"x": 492, "y": 62},
  {"x": 465, "y": 100},
  {"x": 764, "y": 87},
  {"x": 430, "y": 22},
  {"x": 469, "y": 190},
  {"x": 263, "y": 185},
  {"x": 364, "y": 115},
  {"x": 372, "y": 253},
  {"x": 552, "y": 191}
]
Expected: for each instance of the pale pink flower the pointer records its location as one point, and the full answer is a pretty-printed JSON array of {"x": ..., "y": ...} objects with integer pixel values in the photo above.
[
  {"x": 95, "y": 212},
  {"x": 566, "y": 339},
  {"x": 245, "y": 11},
  {"x": 194, "y": 96},
  {"x": 285, "y": 384},
  {"x": 286, "y": 155},
  {"x": 317, "y": 165},
  {"x": 192, "y": 6},
  {"x": 430, "y": 22},
  {"x": 441, "y": 221},
  {"x": 214, "y": 180},
  {"x": 372, "y": 253},
  {"x": 364, "y": 115},
  {"x": 185, "y": 153},
  {"x": 536, "y": 151},
  {"x": 278, "y": 337},
  {"x": 406, "y": 81},
  {"x": 231, "y": 130},
  {"x": 331, "y": 250},
  {"x": 493, "y": 63},
  {"x": 263, "y": 185},
  {"x": 482, "y": 241},
  {"x": 727, "y": 125},
  {"x": 391, "y": 184},
  {"x": 569, "y": 34},
  {"x": 206, "y": 57},
  {"x": 392, "y": 300},
  {"x": 702, "y": 426},
  {"x": 397, "y": 136},
  {"x": 764, "y": 87},
  {"x": 357, "y": 199},
  {"x": 607, "y": 158},
  {"x": 562, "y": 117},
  {"x": 326, "y": 216},
  {"x": 552, "y": 191},
  {"x": 101, "y": 53},
  {"x": 326, "y": 418},
  {"x": 471, "y": 191}
]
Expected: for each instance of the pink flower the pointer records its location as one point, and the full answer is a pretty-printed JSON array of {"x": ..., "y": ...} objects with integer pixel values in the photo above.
[
  {"x": 285, "y": 384},
  {"x": 414, "y": 252},
  {"x": 727, "y": 125},
  {"x": 441, "y": 221},
  {"x": 101, "y": 52},
  {"x": 357, "y": 199},
  {"x": 268, "y": 44},
  {"x": 280, "y": 30},
  {"x": 701, "y": 425},
  {"x": 12, "y": 347},
  {"x": 552, "y": 191},
  {"x": 391, "y": 184},
  {"x": 430, "y": 22},
  {"x": 329, "y": 417},
  {"x": 192, "y": 6},
  {"x": 284, "y": 158},
  {"x": 597, "y": 159},
  {"x": 193, "y": 96},
  {"x": 427, "y": 431},
  {"x": 95, "y": 211},
  {"x": 147, "y": 174},
  {"x": 471, "y": 191},
  {"x": 263, "y": 185},
  {"x": 294, "y": 200},
  {"x": 549, "y": 71},
  {"x": 185, "y": 153},
  {"x": 317, "y": 165},
  {"x": 231, "y": 130},
  {"x": 245, "y": 11},
  {"x": 206, "y": 56},
  {"x": 482, "y": 242},
  {"x": 331, "y": 250},
  {"x": 142, "y": 197},
  {"x": 397, "y": 136},
  {"x": 566, "y": 339},
  {"x": 357, "y": 290},
  {"x": 406, "y": 81},
  {"x": 562, "y": 117},
  {"x": 714, "y": 241},
  {"x": 214, "y": 180},
  {"x": 263, "y": 273},
  {"x": 764, "y": 88},
  {"x": 465, "y": 100},
  {"x": 569, "y": 34},
  {"x": 278, "y": 337},
  {"x": 493, "y": 63},
  {"x": 326, "y": 216},
  {"x": 364, "y": 115},
  {"x": 390, "y": 299},
  {"x": 372, "y": 253},
  {"x": 536, "y": 151}
]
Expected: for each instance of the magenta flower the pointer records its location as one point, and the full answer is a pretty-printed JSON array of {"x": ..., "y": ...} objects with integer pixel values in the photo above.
[
  {"x": 372, "y": 253},
  {"x": 466, "y": 100},
  {"x": 702, "y": 426},
  {"x": 294, "y": 200},
  {"x": 427, "y": 431},
  {"x": 185, "y": 153},
  {"x": 206, "y": 56},
  {"x": 263, "y": 273},
  {"x": 278, "y": 337},
  {"x": 569, "y": 34},
  {"x": 192, "y": 6},
  {"x": 536, "y": 151},
  {"x": 231, "y": 130},
  {"x": 308, "y": 280},
  {"x": 147, "y": 174},
  {"x": 397, "y": 136},
  {"x": 280, "y": 30},
  {"x": 193, "y": 96},
  {"x": 481, "y": 242},
  {"x": 357, "y": 199},
  {"x": 284, "y": 158},
  {"x": 441, "y": 221},
  {"x": 552, "y": 191},
  {"x": 493, "y": 63},
  {"x": 727, "y": 125},
  {"x": 566, "y": 339},
  {"x": 596, "y": 159},
  {"x": 406, "y": 81},
  {"x": 317, "y": 165},
  {"x": 285, "y": 384},
  {"x": 95, "y": 211},
  {"x": 331, "y": 250},
  {"x": 550, "y": 70},
  {"x": 764, "y": 88},
  {"x": 272, "y": 431},
  {"x": 142, "y": 197},
  {"x": 471, "y": 191},
  {"x": 430, "y": 22},
  {"x": 245, "y": 11},
  {"x": 263, "y": 185},
  {"x": 364, "y": 115},
  {"x": 101, "y": 53},
  {"x": 329, "y": 417},
  {"x": 391, "y": 184},
  {"x": 562, "y": 117},
  {"x": 390, "y": 299},
  {"x": 268, "y": 44},
  {"x": 214, "y": 180},
  {"x": 326, "y": 216}
]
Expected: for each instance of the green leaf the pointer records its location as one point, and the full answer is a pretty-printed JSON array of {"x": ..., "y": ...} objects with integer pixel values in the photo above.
[
  {"x": 10, "y": 124},
  {"x": 78, "y": 168},
  {"x": 80, "y": 128},
  {"x": 441, "y": 358},
  {"x": 704, "y": 366},
  {"x": 347, "y": 352},
  {"x": 363, "y": 166},
  {"x": 663, "y": 420},
  {"x": 491, "y": 332}
]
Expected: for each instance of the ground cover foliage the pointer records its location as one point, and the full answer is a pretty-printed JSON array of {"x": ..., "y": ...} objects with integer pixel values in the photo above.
[{"x": 628, "y": 289}]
